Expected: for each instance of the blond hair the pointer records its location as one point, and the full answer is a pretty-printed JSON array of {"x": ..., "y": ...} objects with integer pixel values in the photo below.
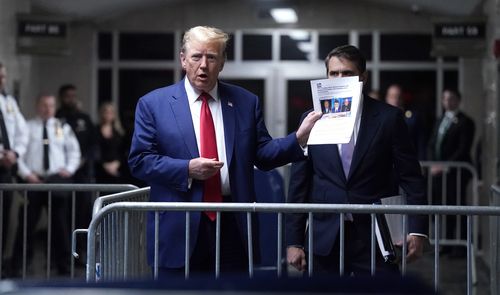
[
  {"x": 116, "y": 122},
  {"x": 206, "y": 35}
]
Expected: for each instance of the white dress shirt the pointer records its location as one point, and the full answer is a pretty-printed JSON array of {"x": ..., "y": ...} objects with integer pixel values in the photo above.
[
  {"x": 64, "y": 150},
  {"x": 15, "y": 125},
  {"x": 216, "y": 110}
]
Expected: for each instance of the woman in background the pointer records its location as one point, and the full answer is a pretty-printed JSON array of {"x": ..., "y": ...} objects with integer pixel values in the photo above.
[{"x": 111, "y": 135}]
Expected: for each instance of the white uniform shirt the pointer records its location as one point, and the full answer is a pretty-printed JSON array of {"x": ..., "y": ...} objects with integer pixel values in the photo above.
[
  {"x": 15, "y": 125},
  {"x": 216, "y": 110},
  {"x": 64, "y": 150}
]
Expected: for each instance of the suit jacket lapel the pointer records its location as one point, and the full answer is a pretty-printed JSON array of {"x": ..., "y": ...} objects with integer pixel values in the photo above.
[
  {"x": 367, "y": 129},
  {"x": 228, "y": 117},
  {"x": 180, "y": 107}
]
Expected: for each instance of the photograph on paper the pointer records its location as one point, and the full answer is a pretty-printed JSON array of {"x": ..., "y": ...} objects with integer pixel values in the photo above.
[{"x": 339, "y": 100}]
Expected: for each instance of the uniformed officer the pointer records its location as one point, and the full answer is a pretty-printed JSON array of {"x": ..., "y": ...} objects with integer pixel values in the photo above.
[
  {"x": 13, "y": 141},
  {"x": 53, "y": 156},
  {"x": 85, "y": 131}
]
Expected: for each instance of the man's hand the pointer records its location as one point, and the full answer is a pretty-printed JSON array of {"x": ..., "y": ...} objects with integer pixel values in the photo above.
[
  {"x": 203, "y": 168},
  {"x": 436, "y": 170},
  {"x": 296, "y": 257},
  {"x": 9, "y": 159},
  {"x": 306, "y": 126},
  {"x": 112, "y": 168},
  {"x": 64, "y": 173},
  {"x": 415, "y": 247},
  {"x": 33, "y": 178}
]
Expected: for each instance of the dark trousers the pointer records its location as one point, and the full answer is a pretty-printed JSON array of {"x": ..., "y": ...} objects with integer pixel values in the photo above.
[
  {"x": 234, "y": 259},
  {"x": 5, "y": 177},
  {"x": 357, "y": 254},
  {"x": 60, "y": 224},
  {"x": 450, "y": 198}
]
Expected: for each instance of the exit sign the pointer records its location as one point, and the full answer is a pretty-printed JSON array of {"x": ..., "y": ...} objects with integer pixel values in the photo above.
[
  {"x": 459, "y": 30},
  {"x": 37, "y": 28}
]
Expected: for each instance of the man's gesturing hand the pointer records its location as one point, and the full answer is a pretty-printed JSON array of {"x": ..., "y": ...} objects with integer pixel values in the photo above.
[
  {"x": 306, "y": 126},
  {"x": 203, "y": 168}
]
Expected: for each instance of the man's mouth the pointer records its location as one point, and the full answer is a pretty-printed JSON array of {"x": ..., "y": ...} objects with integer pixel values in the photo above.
[{"x": 203, "y": 76}]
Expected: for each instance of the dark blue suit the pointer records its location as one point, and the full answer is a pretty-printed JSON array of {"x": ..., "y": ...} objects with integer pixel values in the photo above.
[
  {"x": 382, "y": 145},
  {"x": 164, "y": 142}
]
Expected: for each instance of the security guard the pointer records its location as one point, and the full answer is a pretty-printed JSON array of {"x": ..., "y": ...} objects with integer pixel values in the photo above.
[
  {"x": 13, "y": 141},
  {"x": 53, "y": 156}
]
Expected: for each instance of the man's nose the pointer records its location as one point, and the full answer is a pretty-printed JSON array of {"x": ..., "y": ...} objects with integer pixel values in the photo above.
[{"x": 204, "y": 62}]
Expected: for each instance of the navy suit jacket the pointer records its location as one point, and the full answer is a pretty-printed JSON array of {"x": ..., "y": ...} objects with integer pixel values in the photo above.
[
  {"x": 164, "y": 142},
  {"x": 382, "y": 145}
]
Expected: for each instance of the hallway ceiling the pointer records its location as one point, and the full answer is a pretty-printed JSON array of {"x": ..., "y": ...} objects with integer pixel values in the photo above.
[{"x": 104, "y": 9}]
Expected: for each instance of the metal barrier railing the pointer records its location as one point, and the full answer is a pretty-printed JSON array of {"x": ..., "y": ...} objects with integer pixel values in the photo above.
[
  {"x": 121, "y": 212},
  {"x": 24, "y": 189},
  {"x": 453, "y": 173},
  {"x": 495, "y": 242},
  {"x": 112, "y": 242}
]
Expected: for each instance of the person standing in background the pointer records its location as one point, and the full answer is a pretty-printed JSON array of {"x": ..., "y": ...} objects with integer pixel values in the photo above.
[
  {"x": 13, "y": 142},
  {"x": 451, "y": 141},
  {"x": 69, "y": 112},
  {"x": 416, "y": 128},
  {"x": 53, "y": 156},
  {"x": 109, "y": 167}
]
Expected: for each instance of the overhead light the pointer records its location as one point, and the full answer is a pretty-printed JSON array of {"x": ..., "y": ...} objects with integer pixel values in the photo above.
[
  {"x": 284, "y": 15},
  {"x": 299, "y": 35}
]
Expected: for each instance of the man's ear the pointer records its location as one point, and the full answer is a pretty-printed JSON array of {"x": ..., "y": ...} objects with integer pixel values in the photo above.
[
  {"x": 364, "y": 77},
  {"x": 182, "y": 57}
]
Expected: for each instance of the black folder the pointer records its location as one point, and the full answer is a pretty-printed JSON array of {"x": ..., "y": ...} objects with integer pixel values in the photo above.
[{"x": 384, "y": 240}]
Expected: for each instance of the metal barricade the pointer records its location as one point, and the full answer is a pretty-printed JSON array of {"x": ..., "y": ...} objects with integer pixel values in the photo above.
[
  {"x": 495, "y": 242},
  {"x": 121, "y": 212},
  {"x": 72, "y": 189},
  {"x": 454, "y": 173},
  {"x": 115, "y": 241}
]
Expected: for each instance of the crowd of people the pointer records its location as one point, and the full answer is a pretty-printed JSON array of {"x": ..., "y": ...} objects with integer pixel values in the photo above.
[
  {"x": 56, "y": 146},
  {"x": 199, "y": 140}
]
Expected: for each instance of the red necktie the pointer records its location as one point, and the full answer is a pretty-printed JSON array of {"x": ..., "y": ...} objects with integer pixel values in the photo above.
[{"x": 208, "y": 142}]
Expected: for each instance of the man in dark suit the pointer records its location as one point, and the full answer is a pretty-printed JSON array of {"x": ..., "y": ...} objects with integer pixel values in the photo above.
[
  {"x": 346, "y": 107},
  {"x": 394, "y": 97},
  {"x": 451, "y": 140},
  {"x": 199, "y": 140},
  {"x": 336, "y": 106},
  {"x": 326, "y": 107},
  {"x": 379, "y": 143}
]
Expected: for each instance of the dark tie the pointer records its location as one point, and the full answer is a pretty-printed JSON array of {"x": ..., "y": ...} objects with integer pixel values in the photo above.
[
  {"x": 347, "y": 151},
  {"x": 208, "y": 143},
  {"x": 45, "y": 147},
  {"x": 4, "y": 135},
  {"x": 443, "y": 127}
]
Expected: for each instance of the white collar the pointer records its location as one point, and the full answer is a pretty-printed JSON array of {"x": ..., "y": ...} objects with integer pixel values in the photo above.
[{"x": 193, "y": 94}]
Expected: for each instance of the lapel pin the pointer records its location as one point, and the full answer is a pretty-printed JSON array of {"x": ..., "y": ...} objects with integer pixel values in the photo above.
[{"x": 229, "y": 103}]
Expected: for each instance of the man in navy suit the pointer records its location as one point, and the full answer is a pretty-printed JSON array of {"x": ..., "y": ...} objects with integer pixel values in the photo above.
[
  {"x": 379, "y": 144},
  {"x": 167, "y": 152}
]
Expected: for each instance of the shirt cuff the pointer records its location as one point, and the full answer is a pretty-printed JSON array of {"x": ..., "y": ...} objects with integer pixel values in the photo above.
[
  {"x": 190, "y": 182},
  {"x": 304, "y": 149},
  {"x": 420, "y": 235}
]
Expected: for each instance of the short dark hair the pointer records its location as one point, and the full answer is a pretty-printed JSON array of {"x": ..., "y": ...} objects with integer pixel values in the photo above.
[
  {"x": 65, "y": 88},
  {"x": 350, "y": 53},
  {"x": 455, "y": 92}
]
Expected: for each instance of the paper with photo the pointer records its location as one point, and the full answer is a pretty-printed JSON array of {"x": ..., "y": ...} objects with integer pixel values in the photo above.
[{"x": 339, "y": 100}]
